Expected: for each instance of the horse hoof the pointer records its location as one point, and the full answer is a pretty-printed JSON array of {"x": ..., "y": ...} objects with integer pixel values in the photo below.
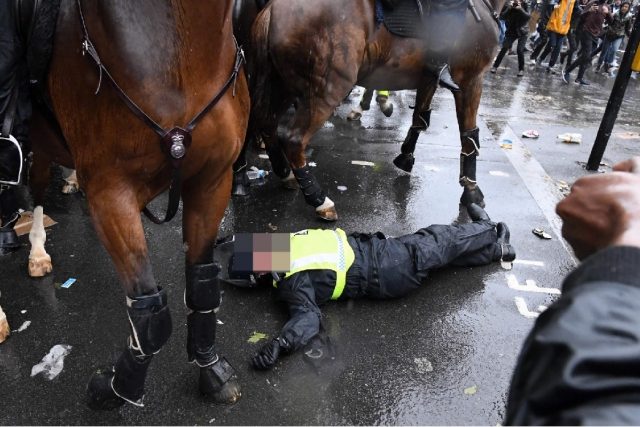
[
  {"x": 387, "y": 109},
  {"x": 70, "y": 188},
  {"x": 354, "y": 115},
  {"x": 472, "y": 195},
  {"x": 228, "y": 394},
  {"x": 290, "y": 182},
  {"x": 328, "y": 214},
  {"x": 404, "y": 162},
  {"x": 40, "y": 266},
  {"x": 100, "y": 395},
  {"x": 219, "y": 383}
]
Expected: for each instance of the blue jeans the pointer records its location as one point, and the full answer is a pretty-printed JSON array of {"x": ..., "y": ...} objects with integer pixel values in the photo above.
[
  {"x": 609, "y": 50},
  {"x": 554, "y": 45}
]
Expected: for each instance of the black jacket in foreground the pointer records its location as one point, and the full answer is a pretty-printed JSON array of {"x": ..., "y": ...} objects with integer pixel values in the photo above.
[{"x": 580, "y": 365}]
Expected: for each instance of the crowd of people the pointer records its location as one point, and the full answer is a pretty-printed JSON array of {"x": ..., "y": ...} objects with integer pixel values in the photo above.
[{"x": 560, "y": 29}]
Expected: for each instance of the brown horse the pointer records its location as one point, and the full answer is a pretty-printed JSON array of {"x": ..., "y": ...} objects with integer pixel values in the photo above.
[
  {"x": 311, "y": 53},
  {"x": 178, "y": 62}
]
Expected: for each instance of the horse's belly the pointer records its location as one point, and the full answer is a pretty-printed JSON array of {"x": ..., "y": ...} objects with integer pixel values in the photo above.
[{"x": 393, "y": 78}]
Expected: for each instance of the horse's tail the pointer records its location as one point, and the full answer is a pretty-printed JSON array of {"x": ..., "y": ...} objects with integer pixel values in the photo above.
[{"x": 261, "y": 69}]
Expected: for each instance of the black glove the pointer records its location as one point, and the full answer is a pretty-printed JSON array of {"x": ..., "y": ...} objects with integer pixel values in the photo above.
[{"x": 268, "y": 355}]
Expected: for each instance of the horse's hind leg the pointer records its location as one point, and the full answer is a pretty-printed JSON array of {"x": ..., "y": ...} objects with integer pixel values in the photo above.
[
  {"x": 39, "y": 259},
  {"x": 115, "y": 210},
  {"x": 467, "y": 103},
  {"x": 303, "y": 125},
  {"x": 205, "y": 198},
  {"x": 420, "y": 123}
]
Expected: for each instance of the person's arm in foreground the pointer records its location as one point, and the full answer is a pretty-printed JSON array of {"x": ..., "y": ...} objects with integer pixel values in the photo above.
[
  {"x": 304, "y": 323},
  {"x": 581, "y": 362}
]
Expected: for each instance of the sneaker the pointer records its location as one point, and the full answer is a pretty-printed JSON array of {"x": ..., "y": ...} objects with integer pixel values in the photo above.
[
  {"x": 493, "y": 70},
  {"x": 582, "y": 82},
  {"x": 565, "y": 77},
  {"x": 520, "y": 73}
]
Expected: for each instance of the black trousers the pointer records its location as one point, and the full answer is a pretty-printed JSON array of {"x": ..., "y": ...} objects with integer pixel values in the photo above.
[
  {"x": 13, "y": 73},
  {"x": 390, "y": 268},
  {"x": 509, "y": 39},
  {"x": 587, "y": 45}
]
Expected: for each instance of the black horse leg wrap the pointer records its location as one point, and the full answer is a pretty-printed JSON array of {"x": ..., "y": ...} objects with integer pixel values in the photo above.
[
  {"x": 468, "y": 158},
  {"x": 150, "y": 323},
  {"x": 471, "y": 136},
  {"x": 313, "y": 193},
  {"x": 203, "y": 298},
  {"x": 130, "y": 374},
  {"x": 421, "y": 125}
]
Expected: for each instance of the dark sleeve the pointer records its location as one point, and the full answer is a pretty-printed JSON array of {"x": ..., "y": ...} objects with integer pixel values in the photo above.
[
  {"x": 580, "y": 365},
  {"x": 298, "y": 293},
  {"x": 522, "y": 13}
]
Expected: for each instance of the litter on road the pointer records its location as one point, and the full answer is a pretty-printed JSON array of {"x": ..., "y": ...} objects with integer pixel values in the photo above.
[
  {"x": 541, "y": 233},
  {"x": 24, "y": 326},
  {"x": 570, "y": 138},
  {"x": 341, "y": 188},
  {"x": 471, "y": 390},
  {"x": 506, "y": 143},
  {"x": 53, "y": 362},
  {"x": 256, "y": 337},
  {"x": 531, "y": 134},
  {"x": 23, "y": 226},
  {"x": 362, "y": 163},
  {"x": 70, "y": 281}
]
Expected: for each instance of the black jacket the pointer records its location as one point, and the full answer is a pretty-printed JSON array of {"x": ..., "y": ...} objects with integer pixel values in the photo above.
[
  {"x": 516, "y": 20},
  {"x": 580, "y": 365}
]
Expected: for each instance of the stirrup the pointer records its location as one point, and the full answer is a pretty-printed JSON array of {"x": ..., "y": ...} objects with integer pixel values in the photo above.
[
  {"x": 445, "y": 79},
  {"x": 11, "y": 160}
]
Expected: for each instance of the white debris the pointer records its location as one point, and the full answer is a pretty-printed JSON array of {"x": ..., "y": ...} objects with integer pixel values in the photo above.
[
  {"x": 219, "y": 322},
  {"x": 23, "y": 311},
  {"x": 423, "y": 365},
  {"x": 24, "y": 326},
  {"x": 571, "y": 138},
  {"x": 52, "y": 363},
  {"x": 341, "y": 188},
  {"x": 313, "y": 164},
  {"x": 498, "y": 173},
  {"x": 362, "y": 163}
]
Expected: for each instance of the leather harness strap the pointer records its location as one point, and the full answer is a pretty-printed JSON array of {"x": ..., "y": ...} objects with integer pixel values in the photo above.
[{"x": 175, "y": 141}]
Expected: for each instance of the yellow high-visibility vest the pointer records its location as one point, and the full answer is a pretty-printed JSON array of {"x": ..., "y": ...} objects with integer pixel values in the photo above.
[
  {"x": 322, "y": 250},
  {"x": 635, "y": 65}
]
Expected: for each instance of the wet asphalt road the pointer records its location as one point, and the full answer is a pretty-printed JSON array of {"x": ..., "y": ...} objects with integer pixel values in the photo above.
[{"x": 442, "y": 355}]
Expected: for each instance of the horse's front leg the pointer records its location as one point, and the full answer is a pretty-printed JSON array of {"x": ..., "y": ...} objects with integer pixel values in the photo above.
[
  {"x": 420, "y": 123},
  {"x": 39, "y": 176},
  {"x": 205, "y": 198},
  {"x": 115, "y": 210},
  {"x": 467, "y": 103}
]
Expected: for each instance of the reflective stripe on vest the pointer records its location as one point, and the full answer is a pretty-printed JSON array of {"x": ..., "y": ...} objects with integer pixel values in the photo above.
[{"x": 322, "y": 250}]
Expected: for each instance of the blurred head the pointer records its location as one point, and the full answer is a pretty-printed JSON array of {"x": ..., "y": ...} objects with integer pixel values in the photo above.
[{"x": 624, "y": 8}]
